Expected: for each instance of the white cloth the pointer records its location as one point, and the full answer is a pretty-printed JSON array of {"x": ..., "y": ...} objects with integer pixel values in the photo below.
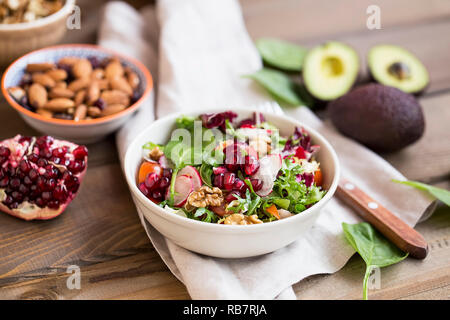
[{"x": 204, "y": 49}]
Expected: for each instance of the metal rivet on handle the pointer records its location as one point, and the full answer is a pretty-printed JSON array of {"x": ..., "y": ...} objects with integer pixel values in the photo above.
[
  {"x": 349, "y": 186},
  {"x": 372, "y": 205}
]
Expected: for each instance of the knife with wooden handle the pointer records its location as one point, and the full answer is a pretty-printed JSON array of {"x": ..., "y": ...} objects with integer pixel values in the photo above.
[{"x": 393, "y": 228}]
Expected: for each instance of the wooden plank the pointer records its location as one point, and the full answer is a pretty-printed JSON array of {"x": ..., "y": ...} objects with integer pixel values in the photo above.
[
  {"x": 410, "y": 279},
  {"x": 101, "y": 224}
]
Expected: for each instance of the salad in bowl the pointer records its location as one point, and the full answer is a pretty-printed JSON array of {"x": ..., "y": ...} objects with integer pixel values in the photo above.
[{"x": 221, "y": 170}]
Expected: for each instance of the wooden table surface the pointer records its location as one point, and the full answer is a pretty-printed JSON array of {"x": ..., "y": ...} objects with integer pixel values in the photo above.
[{"x": 101, "y": 233}]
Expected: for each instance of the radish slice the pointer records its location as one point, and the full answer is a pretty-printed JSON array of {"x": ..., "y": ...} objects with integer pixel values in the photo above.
[
  {"x": 183, "y": 188},
  {"x": 267, "y": 173},
  {"x": 194, "y": 174}
]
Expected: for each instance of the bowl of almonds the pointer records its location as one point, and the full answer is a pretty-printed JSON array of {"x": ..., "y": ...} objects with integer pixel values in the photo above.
[{"x": 76, "y": 92}]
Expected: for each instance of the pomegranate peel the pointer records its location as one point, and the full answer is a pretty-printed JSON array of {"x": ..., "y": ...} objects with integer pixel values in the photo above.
[{"x": 39, "y": 176}]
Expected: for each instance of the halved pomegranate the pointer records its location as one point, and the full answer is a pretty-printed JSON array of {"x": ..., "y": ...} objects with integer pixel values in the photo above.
[{"x": 39, "y": 176}]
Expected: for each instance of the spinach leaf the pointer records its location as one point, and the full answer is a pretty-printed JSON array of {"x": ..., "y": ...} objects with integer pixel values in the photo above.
[
  {"x": 281, "y": 54},
  {"x": 206, "y": 172},
  {"x": 279, "y": 85},
  {"x": 375, "y": 249},
  {"x": 441, "y": 194}
]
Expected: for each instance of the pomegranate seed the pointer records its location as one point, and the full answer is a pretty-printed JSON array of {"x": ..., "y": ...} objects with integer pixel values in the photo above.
[
  {"x": 251, "y": 165},
  {"x": 300, "y": 153},
  {"x": 54, "y": 204},
  {"x": 33, "y": 158},
  {"x": 24, "y": 189},
  {"x": 8, "y": 200},
  {"x": 42, "y": 162},
  {"x": 50, "y": 184},
  {"x": 2, "y": 160},
  {"x": 157, "y": 195},
  {"x": 17, "y": 196},
  {"x": 74, "y": 166},
  {"x": 46, "y": 195},
  {"x": 73, "y": 185},
  {"x": 60, "y": 193},
  {"x": 58, "y": 152},
  {"x": 4, "y": 152},
  {"x": 167, "y": 173},
  {"x": 229, "y": 179},
  {"x": 34, "y": 192},
  {"x": 45, "y": 153},
  {"x": 219, "y": 180},
  {"x": 33, "y": 174},
  {"x": 256, "y": 184},
  {"x": 143, "y": 189},
  {"x": 80, "y": 152},
  {"x": 152, "y": 180},
  {"x": 50, "y": 172},
  {"x": 24, "y": 166},
  {"x": 55, "y": 160},
  {"x": 40, "y": 202},
  {"x": 4, "y": 182},
  {"x": 239, "y": 185},
  {"x": 27, "y": 181},
  {"x": 40, "y": 183},
  {"x": 164, "y": 183},
  {"x": 219, "y": 170},
  {"x": 231, "y": 196},
  {"x": 14, "y": 183}
]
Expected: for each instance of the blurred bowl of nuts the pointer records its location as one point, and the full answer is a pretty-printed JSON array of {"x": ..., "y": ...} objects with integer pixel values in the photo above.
[
  {"x": 26, "y": 25},
  {"x": 77, "y": 92}
]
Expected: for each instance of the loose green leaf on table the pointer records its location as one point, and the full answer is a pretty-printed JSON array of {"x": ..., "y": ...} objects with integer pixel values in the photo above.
[
  {"x": 280, "y": 86},
  {"x": 441, "y": 194},
  {"x": 373, "y": 247},
  {"x": 281, "y": 54}
]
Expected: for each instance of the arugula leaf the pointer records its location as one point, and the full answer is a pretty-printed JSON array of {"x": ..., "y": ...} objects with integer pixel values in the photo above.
[
  {"x": 208, "y": 215},
  {"x": 206, "y": 172},
  {"x": 151, "y": 146},
  {"x": 280, "y": 86},
  {"x": 281, "y": 54},
  {"x": 375, "y": 249},
  {"x": 441, "y": 194}
]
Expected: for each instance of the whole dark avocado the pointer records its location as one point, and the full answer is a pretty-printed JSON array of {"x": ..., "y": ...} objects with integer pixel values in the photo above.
[{"x": 383, "y": 118}]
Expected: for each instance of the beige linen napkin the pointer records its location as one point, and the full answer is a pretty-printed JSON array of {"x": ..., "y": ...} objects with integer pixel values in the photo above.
[{"x": 204, "y": 49}]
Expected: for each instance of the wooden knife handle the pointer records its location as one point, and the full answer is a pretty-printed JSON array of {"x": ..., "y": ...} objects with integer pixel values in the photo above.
[{"x": 393, "y": 228}]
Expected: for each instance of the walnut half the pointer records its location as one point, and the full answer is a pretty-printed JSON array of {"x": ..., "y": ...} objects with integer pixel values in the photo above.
[
  {"x": 240, "y": 219},
  {"x": 204, "y": 197}
]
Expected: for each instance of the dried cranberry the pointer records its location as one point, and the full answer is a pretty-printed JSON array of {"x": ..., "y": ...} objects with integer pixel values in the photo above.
[{"x": 100, "y": 103}]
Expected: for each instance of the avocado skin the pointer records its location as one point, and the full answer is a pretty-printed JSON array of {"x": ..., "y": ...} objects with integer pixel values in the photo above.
[{"x": 383, "y": 118}]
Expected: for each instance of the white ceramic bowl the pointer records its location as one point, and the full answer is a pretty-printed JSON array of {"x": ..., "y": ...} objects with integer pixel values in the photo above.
[
  {"x": 84, "y": 131},
  {"x": 229, "y": 241},
  {"x": 19, "y": 38}
]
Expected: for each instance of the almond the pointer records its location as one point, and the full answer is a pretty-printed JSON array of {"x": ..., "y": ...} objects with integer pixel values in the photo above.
[
  {"x": 37, "y": 95},
  {"x": 69, "y": 61},
  {"x": 45, "y": 113},
  {"x": 39, "y": 67},
  {"x": 80, "y": 112},
  {"x": 119, "y": 83},
  {"x": 132, "y": 78},
  {"x": 61, "y": 93},
  {"x": 82, "y": 68},
  {"x": 80, "y": 97},
  {"x": 59, "y": 104},
  {"x": 43, "y": 79},
  {"x": 57, "y": 74},
  {"x": 113, "y": 69},
  {"x": 93, "y": 92},
  {"x": 113, "y": 109},
  {"x": 61, "y": 84},
  {"x": 79, "y": 84},
  {"x": 17, "y": 93},
  {"x": 94, "y": 112},
  {"x": 98, "y": 74},
  {"x": 115, "y": 97},
  {"x": 104, "y": 84}
]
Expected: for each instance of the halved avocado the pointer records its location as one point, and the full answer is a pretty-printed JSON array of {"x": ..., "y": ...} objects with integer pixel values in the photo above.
[
  {"x": 330, "y": 70},
  {"x": 396, "y": 67}
]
